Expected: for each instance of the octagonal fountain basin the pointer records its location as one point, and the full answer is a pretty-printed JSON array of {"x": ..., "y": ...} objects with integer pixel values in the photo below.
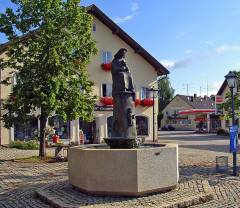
[{"x": 99, "y": 170}]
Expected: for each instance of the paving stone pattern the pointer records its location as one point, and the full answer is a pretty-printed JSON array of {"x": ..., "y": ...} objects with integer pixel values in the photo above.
[
  {"x": 19, "y": 181},
  {"x": 186, "y": 194}
]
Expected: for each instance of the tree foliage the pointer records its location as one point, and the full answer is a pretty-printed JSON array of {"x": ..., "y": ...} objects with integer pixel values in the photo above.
[
  {"x": 50, "y": 46},
  {"x": 227, "y": 105},
  {"x": 166, "y": 93}
]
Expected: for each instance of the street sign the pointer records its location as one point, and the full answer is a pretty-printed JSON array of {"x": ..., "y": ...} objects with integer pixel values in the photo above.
[{"x": 233, "y": 138}]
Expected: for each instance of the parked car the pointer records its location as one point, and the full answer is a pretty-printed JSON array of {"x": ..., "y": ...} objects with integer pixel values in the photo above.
[{"x": 168, "y": 128}]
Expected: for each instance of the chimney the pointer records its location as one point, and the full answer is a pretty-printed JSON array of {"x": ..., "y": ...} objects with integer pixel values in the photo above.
[
  {"x": 191, "y": 98},
  {"x": 205, "y": 97},
  {"x": 195, "y": 96}
]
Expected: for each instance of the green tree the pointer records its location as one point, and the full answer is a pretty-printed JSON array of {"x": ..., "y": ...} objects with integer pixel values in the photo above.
[
  {"x": 166, "y": 93},
  {"x": 227, "y": 105},
  {"x": 50, "y": 44}
]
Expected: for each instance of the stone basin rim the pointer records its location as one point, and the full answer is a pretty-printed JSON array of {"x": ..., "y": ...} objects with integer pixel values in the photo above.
[{"x": 90, "y": 147}]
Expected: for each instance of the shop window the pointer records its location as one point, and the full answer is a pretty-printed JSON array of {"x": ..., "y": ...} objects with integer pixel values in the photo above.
[
  {"x": 109, "y": 126},
  {"x": 142, "y": 126},
  {"x": 106, "y": 57},
  {"x": 62, "y": 129},
  {"x": 29, "y": 130},
  {"x": 107, "y": 90},
  {"x": 145, "y": 93}
]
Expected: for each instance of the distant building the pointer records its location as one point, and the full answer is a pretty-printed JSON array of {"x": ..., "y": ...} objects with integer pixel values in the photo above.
[
  {"x": 144, "y": 68},
  {"x": 191, "y": 113}
]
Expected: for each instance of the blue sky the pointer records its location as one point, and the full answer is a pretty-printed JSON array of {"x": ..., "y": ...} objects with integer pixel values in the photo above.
[{"x": 198, "y": 41}]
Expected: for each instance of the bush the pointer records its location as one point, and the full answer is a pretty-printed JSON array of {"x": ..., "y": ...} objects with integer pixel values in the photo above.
[
  {"x": 221, "y": 132},
  {"x": 27, "y": 145}
]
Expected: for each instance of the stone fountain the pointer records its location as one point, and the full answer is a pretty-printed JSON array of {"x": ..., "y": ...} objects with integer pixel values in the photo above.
[{"x": 123, "y": 167}]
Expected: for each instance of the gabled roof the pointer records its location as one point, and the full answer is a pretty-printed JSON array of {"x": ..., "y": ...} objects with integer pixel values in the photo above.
[
  {"x": 198, "y": 102},
  {"x": 94, "y": 10},
  {"x": 222, "y": 88}
]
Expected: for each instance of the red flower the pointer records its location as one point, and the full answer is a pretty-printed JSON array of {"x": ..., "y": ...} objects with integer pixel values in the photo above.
[
  {"x": 147, "y": 102},
  {"x": 137, "y": 102},
  {"x": 107, "y": 67},
  {"x": 106, "y": 100}
]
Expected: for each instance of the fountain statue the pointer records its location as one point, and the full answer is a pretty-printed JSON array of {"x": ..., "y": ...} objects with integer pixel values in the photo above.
[
  {"x": 126, "y": 168},
  {"x": 124, "y": 132}
]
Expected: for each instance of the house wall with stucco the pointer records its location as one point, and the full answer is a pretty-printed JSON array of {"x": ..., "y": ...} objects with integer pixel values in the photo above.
[
  {"x": 144, "y": 75},
  {"x": 178, "y": 104}
]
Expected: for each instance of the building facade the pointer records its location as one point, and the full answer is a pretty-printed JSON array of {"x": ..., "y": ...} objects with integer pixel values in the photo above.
[
  {"x": 191, "y": 113},
  {"x": 144, "y": 68}
]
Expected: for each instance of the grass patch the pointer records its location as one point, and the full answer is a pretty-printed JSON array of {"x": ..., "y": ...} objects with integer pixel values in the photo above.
[
  {"x": 35, "y": 159},
  {"x": 26, "y": 145}
]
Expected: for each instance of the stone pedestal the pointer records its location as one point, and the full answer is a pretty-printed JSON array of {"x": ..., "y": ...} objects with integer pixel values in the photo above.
[{"x": 124, "y": 124}]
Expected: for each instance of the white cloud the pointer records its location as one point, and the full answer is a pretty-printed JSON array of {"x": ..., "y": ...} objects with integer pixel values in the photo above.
[
  {"x": 188, "y": 51},
  {"x": 210, "y": 43},
  {"x": 170, "y": 64},
  {"x": 135, "y": 7},
  {"x": 123, "y": 19},
  {"x": 227, "y": 48},
  {"x": 182, "y": 33}
]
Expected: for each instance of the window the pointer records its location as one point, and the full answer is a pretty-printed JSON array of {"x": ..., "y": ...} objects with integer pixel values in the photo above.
[
  {"x": 94, "y": 27},
  {"x": 106, "y": 57},
  {"x": 107, "y": 90},
  {"x": 28, "y": 130},
  {"x": 145, "y": 93},
  {"x": 142, "y": 125},
  {"x": 185, "y": 122}
]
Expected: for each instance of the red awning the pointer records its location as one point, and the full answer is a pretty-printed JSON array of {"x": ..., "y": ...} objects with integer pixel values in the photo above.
[{"x": 194, "y": 111}]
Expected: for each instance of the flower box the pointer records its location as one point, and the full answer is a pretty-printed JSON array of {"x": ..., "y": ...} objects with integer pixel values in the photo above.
[
  {"x": 138, "y": 102},
  {"x": 147, "y": 102},
  {"x": 106, "y": 100},
  {"x": 107, "y": 67}
]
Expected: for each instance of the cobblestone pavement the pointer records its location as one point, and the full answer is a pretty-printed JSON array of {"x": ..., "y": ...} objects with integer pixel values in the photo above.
[
  {"x": 18, "y": 180},
  {"x": 187, "y": 193},
  {"x": 12, "y": 153}
]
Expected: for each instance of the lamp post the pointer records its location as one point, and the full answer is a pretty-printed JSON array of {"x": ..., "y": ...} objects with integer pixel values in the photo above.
[
  {"x": 154, "y": 95},
  {"x": 231, "y": 78}
]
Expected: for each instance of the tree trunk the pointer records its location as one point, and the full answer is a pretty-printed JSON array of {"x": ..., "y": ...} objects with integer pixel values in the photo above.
[{"x": 43, "y": 122}]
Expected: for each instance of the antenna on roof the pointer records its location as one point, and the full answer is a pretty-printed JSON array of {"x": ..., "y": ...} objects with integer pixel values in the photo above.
[{"x": 187, "y": 87}]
